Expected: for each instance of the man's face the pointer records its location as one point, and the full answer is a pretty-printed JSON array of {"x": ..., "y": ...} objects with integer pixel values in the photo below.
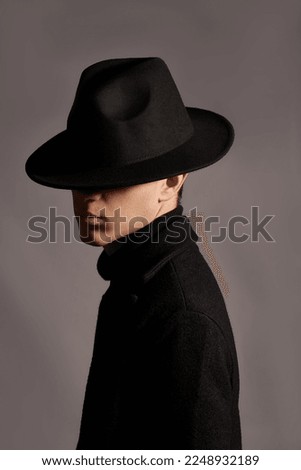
[{"x": 106, "y": 215}]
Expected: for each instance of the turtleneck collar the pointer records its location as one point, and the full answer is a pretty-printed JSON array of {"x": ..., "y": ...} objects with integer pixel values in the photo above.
[{"x": 135, "y": 257}]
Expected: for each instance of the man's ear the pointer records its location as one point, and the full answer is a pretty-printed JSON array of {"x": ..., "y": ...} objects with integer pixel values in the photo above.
[{"x": 171, "y": 186}]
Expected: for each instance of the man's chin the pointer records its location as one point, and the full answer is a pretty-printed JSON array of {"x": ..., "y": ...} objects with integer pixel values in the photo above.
[{"x": 93, "y": 242}]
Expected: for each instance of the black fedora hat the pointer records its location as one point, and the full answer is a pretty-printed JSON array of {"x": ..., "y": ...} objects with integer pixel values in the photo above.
[{"x": 128, "y": 125}]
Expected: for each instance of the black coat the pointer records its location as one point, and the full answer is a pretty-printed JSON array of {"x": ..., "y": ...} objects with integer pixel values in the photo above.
[{"x": 164, "y": 371}]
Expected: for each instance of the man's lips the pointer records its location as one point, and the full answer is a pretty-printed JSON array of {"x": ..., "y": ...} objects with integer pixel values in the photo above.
[
  {"x": 90, "y": 214},
  {"x": 93, "y": 219}
]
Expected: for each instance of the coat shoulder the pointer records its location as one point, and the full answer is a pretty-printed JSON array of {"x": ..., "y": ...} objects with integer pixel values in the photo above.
[
  {"x": 186, "y": 290},
  {"x": 186, "y": 283}
]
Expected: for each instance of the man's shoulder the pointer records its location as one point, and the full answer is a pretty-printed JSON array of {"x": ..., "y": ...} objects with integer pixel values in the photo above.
[
  {"x": 186, "y": 289},
  {"x": 186, "y": 278}
]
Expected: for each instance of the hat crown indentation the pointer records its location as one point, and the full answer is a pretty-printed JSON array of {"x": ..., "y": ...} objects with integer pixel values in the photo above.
[{"x": 123, "y": 100}]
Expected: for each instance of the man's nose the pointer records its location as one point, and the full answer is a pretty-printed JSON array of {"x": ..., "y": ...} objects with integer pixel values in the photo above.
[{"x": 91, "y": 195}]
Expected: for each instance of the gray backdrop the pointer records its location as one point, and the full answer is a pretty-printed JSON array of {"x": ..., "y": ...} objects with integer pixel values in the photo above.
[{"x": 238, "y": 57}]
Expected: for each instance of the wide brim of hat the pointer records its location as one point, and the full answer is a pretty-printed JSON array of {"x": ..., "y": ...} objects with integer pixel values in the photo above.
[{"x": 59, "y": 163}]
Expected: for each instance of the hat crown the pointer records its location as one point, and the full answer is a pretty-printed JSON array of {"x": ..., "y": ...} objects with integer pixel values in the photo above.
[{"x": 123, "y": 105}]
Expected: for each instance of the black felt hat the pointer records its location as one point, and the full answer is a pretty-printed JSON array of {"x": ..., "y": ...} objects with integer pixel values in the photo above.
[{"x": 128, "y": 125}]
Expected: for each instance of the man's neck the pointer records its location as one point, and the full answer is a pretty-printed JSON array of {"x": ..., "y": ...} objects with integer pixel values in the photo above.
[{"x": 110, "y": 248}]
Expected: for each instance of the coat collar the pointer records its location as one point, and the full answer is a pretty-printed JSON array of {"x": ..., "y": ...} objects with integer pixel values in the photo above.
[{"x": 132, "y": 260}]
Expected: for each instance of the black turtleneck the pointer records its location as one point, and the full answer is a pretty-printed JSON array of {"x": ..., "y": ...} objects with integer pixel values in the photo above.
[
  {"x": 133, "y": 255},
  {"x": 121, "y": 241}
]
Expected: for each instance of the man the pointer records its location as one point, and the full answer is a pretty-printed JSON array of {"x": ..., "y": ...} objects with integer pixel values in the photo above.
[{"x": 164, "y": 372}]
